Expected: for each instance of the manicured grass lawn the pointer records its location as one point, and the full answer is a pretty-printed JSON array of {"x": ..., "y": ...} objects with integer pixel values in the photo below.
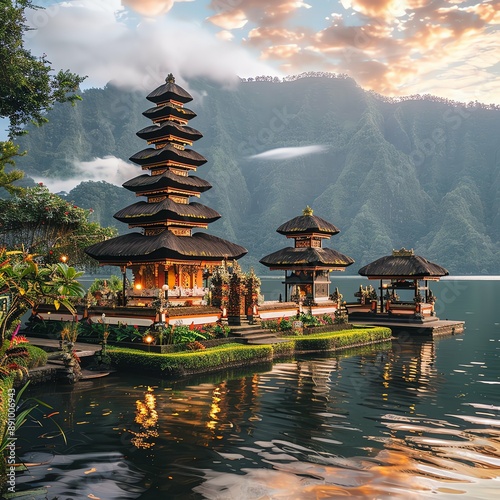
[{"x": 229, "y": 355}]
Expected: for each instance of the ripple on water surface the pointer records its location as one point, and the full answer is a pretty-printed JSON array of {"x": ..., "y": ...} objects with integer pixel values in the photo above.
[{"x": 381, "y": 424}]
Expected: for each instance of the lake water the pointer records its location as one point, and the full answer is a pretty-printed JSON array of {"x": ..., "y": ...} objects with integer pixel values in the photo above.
[{"x": 418, "y": 419}]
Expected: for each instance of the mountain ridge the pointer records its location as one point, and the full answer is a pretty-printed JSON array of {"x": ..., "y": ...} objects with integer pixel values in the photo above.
[{"x": 417, "y": 173}]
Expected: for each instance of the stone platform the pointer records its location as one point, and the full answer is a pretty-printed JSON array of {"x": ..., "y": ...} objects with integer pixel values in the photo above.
[{"x": 428, "y": 327}]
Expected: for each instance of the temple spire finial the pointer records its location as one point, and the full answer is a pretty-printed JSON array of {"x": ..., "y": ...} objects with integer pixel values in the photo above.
[
  {"x": 307, "y": 211},
  {"x": 170, "y": 78},
  {"x": 403, "y": 252}
]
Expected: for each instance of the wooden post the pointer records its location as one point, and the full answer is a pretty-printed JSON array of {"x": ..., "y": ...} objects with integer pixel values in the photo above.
[
  {"x": 381, "y": 296},
  {"x": 124, "y": 286}
]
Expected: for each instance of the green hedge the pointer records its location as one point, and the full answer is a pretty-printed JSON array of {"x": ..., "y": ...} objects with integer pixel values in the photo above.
[
  {"x": 182, "y": 363},
  {"x": 284, "y": 349},
  {"x": 228, "y": 355},
  {"x": 38, "y": 357},
  {"x": 342, "y": 339}
]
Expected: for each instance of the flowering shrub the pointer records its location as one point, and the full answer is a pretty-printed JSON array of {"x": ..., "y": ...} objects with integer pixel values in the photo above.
[
  {"x": 18, "y": 339},
  {"x": 270, "y": 324},
  {"x": 277, "y": 325}
]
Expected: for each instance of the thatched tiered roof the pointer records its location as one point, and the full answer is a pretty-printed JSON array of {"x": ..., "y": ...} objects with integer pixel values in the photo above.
[
  {"x": 137, "y": 248},
  {"x": 307, "y": 224},
  {"x": 306, "y": 258},
  {"x": 168, "y": 128},
  {"x": 151, "y": 157},
  {"x": 147, "y": 213},
  {"x": 169, "y": 91},
  {"x": 168, "y": 111},
  {"x": 403, "y": 264},
  {"x": 147, "y": 183}
]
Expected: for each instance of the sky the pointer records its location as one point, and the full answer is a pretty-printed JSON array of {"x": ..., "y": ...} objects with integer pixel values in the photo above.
[{"x": 448, "y": 48}]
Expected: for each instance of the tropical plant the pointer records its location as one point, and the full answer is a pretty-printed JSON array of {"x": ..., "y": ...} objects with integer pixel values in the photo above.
[
  {"x": 23, "y": 411},
  {"x": 195, "y": 346},
  {"x": 309, "y": 320},
  {"x": 28, "y": 284},
  {"x": 70, "y": 331},
  {"x": 183, "y": 334},
  {"x": 9, "y": 363}
]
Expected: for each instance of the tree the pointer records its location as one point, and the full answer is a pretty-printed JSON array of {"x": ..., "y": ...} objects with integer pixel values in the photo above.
[
  {"x": 26, "y": 283},
  {"x": 43, "y": 223},
  {"x": 8, "y": 151},
  {"x": 28, "y": 85}
]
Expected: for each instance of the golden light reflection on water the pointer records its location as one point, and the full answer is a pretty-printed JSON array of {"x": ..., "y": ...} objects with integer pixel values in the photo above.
[
  {"x": 146, "y": 417},
  {"x": 398, "y": 454},
  {"x": 412, "y": 467},
  {"x": 420, "y": 457}
]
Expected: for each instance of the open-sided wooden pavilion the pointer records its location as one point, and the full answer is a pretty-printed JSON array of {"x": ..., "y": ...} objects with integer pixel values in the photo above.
[
  {"x": 169, "y": 250},
  {"x": 399, "y": 272},
  {"x": 307, "y": 264}
]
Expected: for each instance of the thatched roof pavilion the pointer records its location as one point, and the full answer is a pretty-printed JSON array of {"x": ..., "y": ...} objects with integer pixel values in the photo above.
[
  {"x": 402, "y": 264},
  {"x": 403, "y": 270},
  {"x": 307, "y": 265}
]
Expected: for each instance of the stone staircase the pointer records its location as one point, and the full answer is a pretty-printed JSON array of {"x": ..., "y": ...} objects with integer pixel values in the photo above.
[{"x": 253, "y": 333}]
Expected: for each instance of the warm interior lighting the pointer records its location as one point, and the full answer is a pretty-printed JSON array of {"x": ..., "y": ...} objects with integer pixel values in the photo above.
[{"x": 138, "y": 286}]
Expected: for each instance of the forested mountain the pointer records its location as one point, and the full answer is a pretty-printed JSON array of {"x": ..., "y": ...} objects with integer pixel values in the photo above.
[{"x": 421, "y": 173}]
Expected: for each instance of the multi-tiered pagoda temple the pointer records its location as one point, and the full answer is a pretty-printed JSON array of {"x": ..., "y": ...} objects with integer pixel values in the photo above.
[
  {"x": 167, "y": 251},
  {"x": 307, "y": 264}
]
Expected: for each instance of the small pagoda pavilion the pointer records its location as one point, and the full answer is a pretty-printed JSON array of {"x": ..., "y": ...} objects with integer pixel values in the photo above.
[
  {"x": 404, "y": 283},
  {"x": 307, "y": 264},
  {"x": 168, "y": 252}
]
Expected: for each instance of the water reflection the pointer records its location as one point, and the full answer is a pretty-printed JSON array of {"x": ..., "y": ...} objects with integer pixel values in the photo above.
[
  {"x": 408, "y": 420},
  {"x": 146, "y": 417}
]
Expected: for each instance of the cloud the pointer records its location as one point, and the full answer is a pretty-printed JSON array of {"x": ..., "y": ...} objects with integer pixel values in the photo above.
[
  {"x": 395, "y": 47},
  {"x": 289, "y": 153},
  {"x": 262, "y": 12},
  {"x": 266, "y": 35},
  {"x": 99, "y": 40},
  {"x": 151, "y": 8},
  {"x": 225, "y": 35},
  {"x": 229, "y": 20},
  {"x": 110, "y": 169}
]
